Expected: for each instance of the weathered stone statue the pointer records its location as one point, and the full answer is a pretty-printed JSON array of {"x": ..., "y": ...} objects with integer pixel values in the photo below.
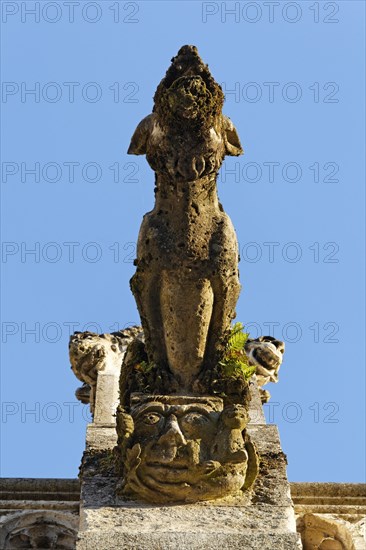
[
  {"x": 189, "y": 443},
  {"x": 183, "y": 392},
  {"x": 186, "y": 283}
]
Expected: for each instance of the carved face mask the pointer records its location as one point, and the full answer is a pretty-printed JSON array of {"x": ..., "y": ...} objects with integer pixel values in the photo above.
[{"x": 173, "y": 453}]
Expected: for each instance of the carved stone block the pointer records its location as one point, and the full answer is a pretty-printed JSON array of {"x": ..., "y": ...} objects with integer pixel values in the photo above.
[{"x": 185, "y": 448}]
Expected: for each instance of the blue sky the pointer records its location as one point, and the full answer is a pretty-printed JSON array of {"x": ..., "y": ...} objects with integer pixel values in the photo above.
[{"x": 293, "y": 73}]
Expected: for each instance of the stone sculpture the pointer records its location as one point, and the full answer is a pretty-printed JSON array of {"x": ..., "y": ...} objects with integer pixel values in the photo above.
[
  {"x": 91, "y": 353},
  {"x": 186, "y": 284},
  {"x": 178, "y": 454},
  {"x": 266, "y": 353},
  {"x": 183, "y": 448},
  {"x": 181, "y": 423},
  {"x": 183, "y": 389}
]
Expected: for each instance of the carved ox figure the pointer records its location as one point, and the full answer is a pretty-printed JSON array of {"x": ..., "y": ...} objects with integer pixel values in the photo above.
[{"x": 186, "y": 284}]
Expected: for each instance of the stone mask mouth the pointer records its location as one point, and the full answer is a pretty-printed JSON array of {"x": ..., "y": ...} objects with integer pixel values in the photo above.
[
  {"x": 180, "y": 459},
  {"x": 174, "y": 465}
]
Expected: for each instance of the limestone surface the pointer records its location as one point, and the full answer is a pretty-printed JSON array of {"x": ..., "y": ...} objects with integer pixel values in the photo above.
[{"x": 258, "y": 519}]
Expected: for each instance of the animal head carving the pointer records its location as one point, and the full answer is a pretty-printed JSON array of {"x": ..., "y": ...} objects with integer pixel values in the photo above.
[
  {"x": 187, "y": 107},
  {"x": 188, "y": 93},
  {"x": 266, "y": 352}
]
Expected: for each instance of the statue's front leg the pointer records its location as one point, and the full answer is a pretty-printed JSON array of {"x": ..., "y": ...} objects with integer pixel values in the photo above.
[
  {"x": 145, "y": 286},
  {"x": 226, "y": 293}
]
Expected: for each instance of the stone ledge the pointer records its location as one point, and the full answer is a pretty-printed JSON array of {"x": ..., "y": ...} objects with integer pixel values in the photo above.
[
  {"x": 14, "y": 505},
  {"x": 321, "y": 490},
  {"x": 189, "y": 518},
  {"x": 345, "y": 500},
  {"x": 39, "y": 489},
  {"x": 188, "y": 541}
]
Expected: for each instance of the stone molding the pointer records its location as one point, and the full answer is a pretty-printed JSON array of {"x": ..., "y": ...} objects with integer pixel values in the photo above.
[
  {"x": 39, "y": 513},
  {"x": 324, "y": 511}
]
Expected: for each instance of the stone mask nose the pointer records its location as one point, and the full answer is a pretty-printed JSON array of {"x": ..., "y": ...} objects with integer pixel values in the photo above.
[{"x": 172, "y": 433}]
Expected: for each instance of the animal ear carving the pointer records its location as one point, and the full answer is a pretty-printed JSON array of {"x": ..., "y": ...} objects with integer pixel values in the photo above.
[
  {"x": 138, "y": 145},
  {"x": 232, "y": 142}
]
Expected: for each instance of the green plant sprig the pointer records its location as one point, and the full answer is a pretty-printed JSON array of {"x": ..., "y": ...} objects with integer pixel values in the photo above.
[{"x": 235, "y": 363}]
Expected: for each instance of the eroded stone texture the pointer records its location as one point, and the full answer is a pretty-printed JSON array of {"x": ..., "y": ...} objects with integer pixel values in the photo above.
[
  {"x": 138, "y": 375},
  {"x": 186, "y": 284},
  {"x": 330, "y": 515},
  {"x": 184, "y": 449}
]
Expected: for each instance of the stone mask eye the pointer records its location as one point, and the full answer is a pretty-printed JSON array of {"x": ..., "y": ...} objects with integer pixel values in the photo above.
[
  {"x": 151, "y": 418},
  {"x": 195, "y": 419}
]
